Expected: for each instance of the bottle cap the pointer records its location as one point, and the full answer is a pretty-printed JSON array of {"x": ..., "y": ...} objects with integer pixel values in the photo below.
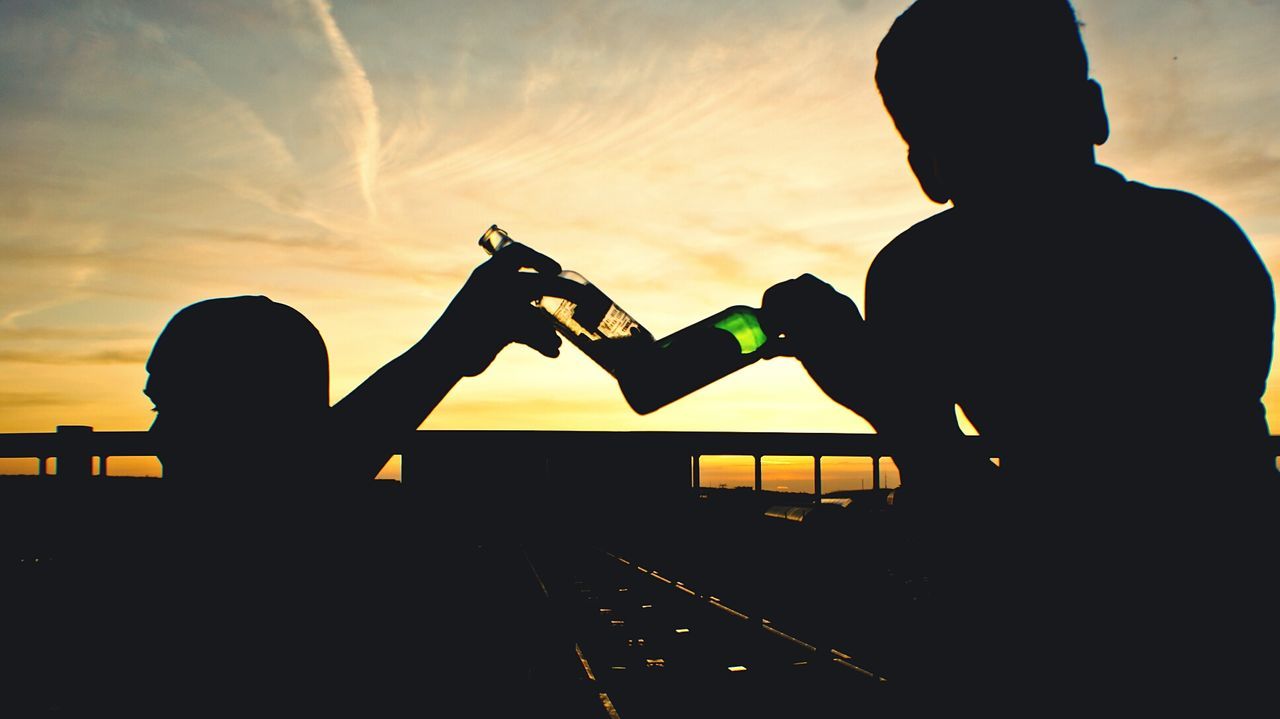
[{"x": 494, "y": 239}]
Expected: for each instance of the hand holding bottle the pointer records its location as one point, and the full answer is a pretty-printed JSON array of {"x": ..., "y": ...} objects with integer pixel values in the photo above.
[
  {"x": 581, "y": 312},
  {"x": 493, "y": 309},
  {"x": 825, "y": 331}
]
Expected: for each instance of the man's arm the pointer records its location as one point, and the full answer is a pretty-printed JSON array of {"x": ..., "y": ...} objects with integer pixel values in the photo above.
[
  {"x": 491, "y": 311},
  {"x": 875, "y": 370}
]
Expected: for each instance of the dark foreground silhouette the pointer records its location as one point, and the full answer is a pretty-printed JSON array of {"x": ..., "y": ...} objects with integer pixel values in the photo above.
[
  {"x": 266, "y": 573},
  {"x": 1111, "y": 339}
]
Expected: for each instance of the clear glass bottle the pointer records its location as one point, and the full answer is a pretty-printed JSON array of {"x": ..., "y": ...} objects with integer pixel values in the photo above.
[
  {"x": 594, "y": 323},
  {"x": 694, "y": 357}
]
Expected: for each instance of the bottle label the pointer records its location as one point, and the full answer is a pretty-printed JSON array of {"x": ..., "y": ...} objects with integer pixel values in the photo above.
[
  {"x": 617, "y": 324},
  {"x": 564, "y": 316}
]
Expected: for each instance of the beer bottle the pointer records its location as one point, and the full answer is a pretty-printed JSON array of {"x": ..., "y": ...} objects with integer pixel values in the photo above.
[
  {"x": 693, "y": 358},
  {"x": 595, "y": 324}
]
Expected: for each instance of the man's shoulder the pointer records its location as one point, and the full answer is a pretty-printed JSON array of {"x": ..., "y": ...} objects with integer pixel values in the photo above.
[
  {"x": 1182, "y": 212},
  {"x": 1190, "y": 229},
  {"x": 920, "y": 243}
]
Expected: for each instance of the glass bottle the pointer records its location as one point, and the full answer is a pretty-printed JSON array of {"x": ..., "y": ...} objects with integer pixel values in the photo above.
[
  {"x": 693, "y": 358},
  {"x": 594, "y": 323}
]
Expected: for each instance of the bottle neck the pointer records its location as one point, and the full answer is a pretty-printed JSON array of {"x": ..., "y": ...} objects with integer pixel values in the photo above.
[{"x": 494, "y": 239}]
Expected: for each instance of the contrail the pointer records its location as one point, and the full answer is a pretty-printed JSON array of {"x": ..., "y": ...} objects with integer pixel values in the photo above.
[{"x": 369, "y": 139}]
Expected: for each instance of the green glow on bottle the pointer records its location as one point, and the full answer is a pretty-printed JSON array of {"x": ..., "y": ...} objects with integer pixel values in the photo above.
[{"x": 746, "y": 329}]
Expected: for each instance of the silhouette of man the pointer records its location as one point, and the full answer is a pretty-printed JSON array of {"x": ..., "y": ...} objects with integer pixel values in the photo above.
[
  {"x": 1110, "y": 340},
  {"x": 241, "y": 384},
  {"x": 270, "y": 579}
]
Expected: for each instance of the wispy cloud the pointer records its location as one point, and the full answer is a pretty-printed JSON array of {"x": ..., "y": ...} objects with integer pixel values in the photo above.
[
  {"x": 36, "y": 399},
  {"x": 129, "y": 357},
  {"x": 368, "y": 136},
  {"x": 72, "y": 334}
]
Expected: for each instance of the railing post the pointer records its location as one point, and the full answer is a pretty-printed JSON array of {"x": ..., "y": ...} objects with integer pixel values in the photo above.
[
  {"x": 759, "y": 474},
  {"x": 414, "y": 463},
  {"x": 875, "y": 473},
  {"x": 697, "y": 472},
  {"x": 74, "y": 459},
  {"x": 817, "y": 477},
  {"x": 44, "y": 467},
  {"x": 102, "y": 465}
]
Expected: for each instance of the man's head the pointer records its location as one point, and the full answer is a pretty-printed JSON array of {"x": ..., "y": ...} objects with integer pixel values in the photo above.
[
  {"x": 990, "y": 95},
  {"x": 234, "y": 381}
]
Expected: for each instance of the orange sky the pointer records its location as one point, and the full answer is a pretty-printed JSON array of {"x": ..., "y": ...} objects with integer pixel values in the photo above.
[{"x": 344, "y": 158}]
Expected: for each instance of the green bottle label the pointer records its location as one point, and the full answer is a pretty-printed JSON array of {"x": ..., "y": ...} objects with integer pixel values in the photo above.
[{"x": 746, "y": 329}]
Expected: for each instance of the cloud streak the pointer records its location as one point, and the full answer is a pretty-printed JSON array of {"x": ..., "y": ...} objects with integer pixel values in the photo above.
[
  {"x": 13, "y": 400},
  {"x": 368, "y": 139},
  {"x": 127, "y": 357}
]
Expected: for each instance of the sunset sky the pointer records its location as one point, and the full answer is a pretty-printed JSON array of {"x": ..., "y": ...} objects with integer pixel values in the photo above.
[{"x": 343, "y": 158}]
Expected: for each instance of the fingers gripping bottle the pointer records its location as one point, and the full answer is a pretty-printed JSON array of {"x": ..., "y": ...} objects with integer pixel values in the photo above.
[{"x": 594, "y": 323}]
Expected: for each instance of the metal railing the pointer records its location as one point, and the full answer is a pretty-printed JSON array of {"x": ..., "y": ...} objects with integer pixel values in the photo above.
[
  {"x": 690, "y": 447},
  {"x": 75, "y": 447}
]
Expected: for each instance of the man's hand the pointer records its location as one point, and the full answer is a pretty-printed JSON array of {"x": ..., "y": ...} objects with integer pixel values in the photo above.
[
  {"x": 824, "y": 330},
  {"x": 493, "y": 309}
]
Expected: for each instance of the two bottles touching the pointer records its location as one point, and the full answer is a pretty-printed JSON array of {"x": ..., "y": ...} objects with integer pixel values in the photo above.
[{"x": 651, "y": 373}]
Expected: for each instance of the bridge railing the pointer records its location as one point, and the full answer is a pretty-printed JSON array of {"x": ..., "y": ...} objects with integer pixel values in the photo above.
[
  {"x": 78, "y": 451},
  {"x": 75, "y": 448}
]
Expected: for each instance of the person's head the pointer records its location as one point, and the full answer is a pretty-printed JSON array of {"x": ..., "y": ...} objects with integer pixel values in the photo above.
[
  {"x": 234, "y": 381},
  {"x": 991, "y": 96}
]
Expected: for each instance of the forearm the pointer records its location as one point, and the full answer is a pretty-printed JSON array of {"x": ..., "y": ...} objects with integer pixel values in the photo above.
[
  {"x": 916, "y": 422},
  {"x": 885, "y": 371},
  {"x": 374, "y": 420}
]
